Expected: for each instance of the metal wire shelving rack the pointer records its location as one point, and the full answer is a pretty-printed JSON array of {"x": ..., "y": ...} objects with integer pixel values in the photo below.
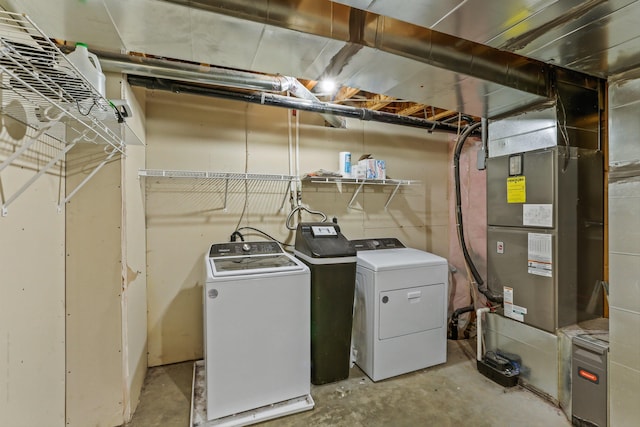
[{"x": 45, "y": 95}]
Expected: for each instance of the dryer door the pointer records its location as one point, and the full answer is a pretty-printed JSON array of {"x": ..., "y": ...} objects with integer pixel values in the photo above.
[{"x": 411, "y": 310}]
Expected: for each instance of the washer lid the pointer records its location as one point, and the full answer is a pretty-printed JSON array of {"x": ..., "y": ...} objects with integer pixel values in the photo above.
[
  {"x": 247, "y": 258},
  {"x": 392, "y": 259}
]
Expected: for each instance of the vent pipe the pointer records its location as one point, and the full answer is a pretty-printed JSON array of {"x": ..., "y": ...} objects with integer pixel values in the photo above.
[
  {"x": 293, "y": 103},
  {"x": 210, "y": 75}
]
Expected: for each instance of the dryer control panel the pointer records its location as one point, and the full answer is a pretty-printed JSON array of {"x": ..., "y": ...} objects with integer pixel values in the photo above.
[{"x": 374, "y": 244}]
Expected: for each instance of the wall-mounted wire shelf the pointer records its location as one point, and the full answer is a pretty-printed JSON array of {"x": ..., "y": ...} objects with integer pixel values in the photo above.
[
  {"x": 361, "y": 182},
  {"x": 234, "y": 176},
  {"x": 44, "y": 94},
  {"x": 213, "y": 175},
  {"x": 226, "y": 176}
]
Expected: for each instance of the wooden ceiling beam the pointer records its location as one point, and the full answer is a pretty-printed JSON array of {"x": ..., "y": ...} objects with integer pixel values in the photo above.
[
  {"x": 309, "y": 84},
  {"x": 442, "y": 115},
  {"x": 378, "y": 101},
  {"x": 412, "y": 109},
  {"x": 345, "y": 93},
  {"x": 382, "y": 102}
]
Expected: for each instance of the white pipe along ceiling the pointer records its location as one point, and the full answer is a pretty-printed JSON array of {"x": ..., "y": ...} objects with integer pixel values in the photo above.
[{"x": 483, "y": 58}]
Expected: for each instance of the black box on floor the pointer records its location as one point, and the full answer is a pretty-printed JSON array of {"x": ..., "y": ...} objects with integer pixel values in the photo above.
[{"x": 504, "y": 378}]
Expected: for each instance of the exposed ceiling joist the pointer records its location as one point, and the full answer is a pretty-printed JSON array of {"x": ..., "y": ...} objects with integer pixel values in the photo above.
[
  {"x": 412, "y": 109},
  {"x": 345, "y": 93},
  {"x": 443, "y": 114},
  {"x": 377, "y": 102}
]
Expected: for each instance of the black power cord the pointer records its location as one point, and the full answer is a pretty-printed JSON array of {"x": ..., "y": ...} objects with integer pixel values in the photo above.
[{"x": 237, "y": 233}]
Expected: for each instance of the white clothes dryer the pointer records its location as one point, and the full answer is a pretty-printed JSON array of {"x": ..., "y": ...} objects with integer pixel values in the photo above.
[{"x": 400, "y": 310}]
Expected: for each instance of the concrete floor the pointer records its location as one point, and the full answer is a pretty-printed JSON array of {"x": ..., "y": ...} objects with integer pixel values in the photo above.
[{"x": 452, "y": 394}]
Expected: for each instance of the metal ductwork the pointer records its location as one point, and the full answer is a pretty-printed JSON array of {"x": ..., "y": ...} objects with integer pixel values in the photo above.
[
  {"x": 294, "y": 103},
  {"x": 421, "y": 65},
  {"x": 187, "y": 72},
  {"x": 446, "y": 54}
]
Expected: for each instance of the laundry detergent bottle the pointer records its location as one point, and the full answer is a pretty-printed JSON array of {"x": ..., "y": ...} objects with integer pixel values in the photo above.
[{"x": 87, "y": 63}]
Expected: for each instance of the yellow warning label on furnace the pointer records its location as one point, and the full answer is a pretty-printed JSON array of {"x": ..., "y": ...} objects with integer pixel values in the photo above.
[{"x": 516, "y": 189}]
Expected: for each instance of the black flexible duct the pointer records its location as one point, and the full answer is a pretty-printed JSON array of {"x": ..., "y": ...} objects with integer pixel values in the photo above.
[
  {"x": 456, "y": 163},
  {"x": 453, "y": 325}
]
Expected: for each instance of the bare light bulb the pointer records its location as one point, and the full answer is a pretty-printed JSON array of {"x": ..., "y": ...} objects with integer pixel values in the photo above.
[{"x": 327, "y": 85}]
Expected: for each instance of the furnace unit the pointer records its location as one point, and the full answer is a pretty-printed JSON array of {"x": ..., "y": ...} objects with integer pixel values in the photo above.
[
  {"x": 545, "y": 227},
  {"x": 545, "y": 221}
]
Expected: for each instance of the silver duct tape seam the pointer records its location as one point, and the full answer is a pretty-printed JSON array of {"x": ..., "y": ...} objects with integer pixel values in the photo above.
[{"x": 624, "y": 172}]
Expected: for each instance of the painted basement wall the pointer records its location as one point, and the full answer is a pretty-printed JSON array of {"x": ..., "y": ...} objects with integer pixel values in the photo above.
[
  {"x": 134, "y": 273},
  {"x": 32, "y": 290},
  {"x": 94, "y": 327},
  {"x": 186, "y": 132},
  {"x": 61, "y": 280},
  {"x": 106, "y": 290}
]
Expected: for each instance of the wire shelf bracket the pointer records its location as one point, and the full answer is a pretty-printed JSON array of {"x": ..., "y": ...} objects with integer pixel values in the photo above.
[{"x": 361, "y": 182}]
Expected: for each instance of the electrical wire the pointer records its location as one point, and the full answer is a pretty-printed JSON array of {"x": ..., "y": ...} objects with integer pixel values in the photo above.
[
  {"x": 298, "y": 196},
  {"x": 246, "y": 166},
  {"x": 118, "y": 114},
  {"x": 303, "y": 208},
  {"x": 264, "y": 234},
  {"x": 93, "y": 104},
  {"x": 563, "y": 124},
  {"x": 563, "y": 132}
]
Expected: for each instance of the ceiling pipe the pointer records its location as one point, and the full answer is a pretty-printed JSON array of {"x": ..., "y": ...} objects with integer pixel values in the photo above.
[
  {"x": 211, "y": 75},
  {"x": 294, "y": 103}
]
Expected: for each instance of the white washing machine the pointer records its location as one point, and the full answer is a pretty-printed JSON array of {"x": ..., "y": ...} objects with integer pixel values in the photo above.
[
  {"x": 256, "y": 332},
  {"x": 400, "y": 309}
]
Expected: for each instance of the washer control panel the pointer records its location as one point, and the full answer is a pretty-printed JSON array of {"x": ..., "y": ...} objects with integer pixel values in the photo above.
[{"x": 244, "y": 248}]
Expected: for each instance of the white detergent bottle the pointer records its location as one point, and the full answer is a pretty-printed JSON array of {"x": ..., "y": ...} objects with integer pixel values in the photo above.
[{"x": 89, "y": 66}]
